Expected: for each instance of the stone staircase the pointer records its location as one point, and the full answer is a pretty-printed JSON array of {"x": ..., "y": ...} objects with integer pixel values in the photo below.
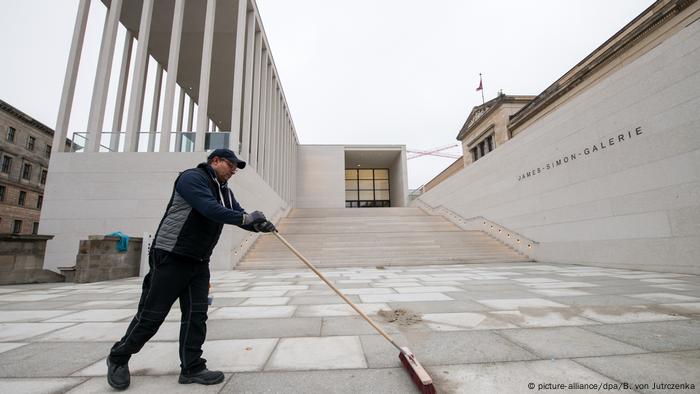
[{"x": 370, "y": 237}]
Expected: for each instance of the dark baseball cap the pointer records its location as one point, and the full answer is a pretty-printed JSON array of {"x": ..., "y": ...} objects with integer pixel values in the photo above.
[{"x": 228, "y": 155}]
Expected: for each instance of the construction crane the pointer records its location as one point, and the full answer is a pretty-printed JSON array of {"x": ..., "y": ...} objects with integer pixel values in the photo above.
[{"x": 433, "y": 152}]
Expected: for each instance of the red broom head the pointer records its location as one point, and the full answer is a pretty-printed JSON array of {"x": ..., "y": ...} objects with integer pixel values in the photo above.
[{"x": 419, "y": 376}]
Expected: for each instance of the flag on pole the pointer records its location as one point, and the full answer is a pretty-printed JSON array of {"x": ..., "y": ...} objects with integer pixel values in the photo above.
[{"x": 481, "y": 85}]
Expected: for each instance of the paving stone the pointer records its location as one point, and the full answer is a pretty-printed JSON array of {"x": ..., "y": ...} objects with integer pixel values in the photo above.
[
  {"x": 543, "y": 317},
  {"x": 515, "y": 303},
  {"x": 252, "y": 312},
  {"x": 352, "y": 325},
  {"x": 248, "y": 294},
  {"x": 106, "y": 332},
  {"x": 342, "y": 352},
  {"x": 657, "y": 337},
  {"x": 627, "y": 314},
  {"x": 95, "y": 315},
  {"x": 650, "y": 369},
  {"x": 108, "y": 304},
  {"x": 30, "y": 316},
  {"x": 513, "y": 377},
  {"x": 10, "y": 345},
  {"x": 38, "y": 305},
  {"x": 595, "y": 300},
  {"x": 665, "y": 297},
  {"x": 560, "y": 292},
  {"x": 20, "y": 297},
  {"x": 263, "y": 328},
  {"x": 161, "y": 358},
  {"x": 385, "y": 381},
  {"x": 437, "y": 348},
  {"x": 567, "y": 342},
  {"x": 331, "y": 299},
  {"x": 404, "y": 297},
  {"x": 464, "y": 321},
  {"x": 147, "y": 385},
  {"x": 10, "y": 332},
  {"x": 38, "y": 385},
  {"x": 439, "y": 306},
  {"x": 428, "y": 289},
  {"x": 338, "y": 310},
  {"x": 685, "y": 308},
  {"x": 266, "y": 301},
  {"x": 50, "y": 359}
]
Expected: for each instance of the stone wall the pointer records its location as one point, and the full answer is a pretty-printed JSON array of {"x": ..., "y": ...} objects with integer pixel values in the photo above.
[
  {"x": 98, "y": 259},
  {"x": 609, "y": 177},
  {"x": 22, "y": 260}
]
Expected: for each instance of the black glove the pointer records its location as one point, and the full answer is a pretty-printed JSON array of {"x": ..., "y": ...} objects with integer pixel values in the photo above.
[
  {"x": 254, "y": 217},
  {"x": 264, "y": 227}
]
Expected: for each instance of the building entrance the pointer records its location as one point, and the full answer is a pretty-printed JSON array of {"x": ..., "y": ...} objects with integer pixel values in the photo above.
[{"x": 367, "y": 187}]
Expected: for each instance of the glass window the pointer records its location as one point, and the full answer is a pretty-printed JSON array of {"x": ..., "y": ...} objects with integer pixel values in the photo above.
[
  {"x": 10, "y": 134},
  {"x": 17, "y": 227},
  {"x": 366, "y": 185},
  {"x": 22, "y": 198},
  {"x": 6, "y": 164},
  {"x": 367, "y": 195},
  {"x": 2, "y": 193},
  {"x": 40, "y": 202},
  {"x": 48, "y": 151},
  {"x": 351, "y": 184},
  {"x": 381, "y": 194},
  {"x": 43, "y": 177},
  {"x": 366, "y": 174},
  {"x": 351, "y": 194},
  {"x": 350, "y": 174},
  {"x": 27, "y": 171},
  {"x": 30, "y": 142},
  {"x": 35, "y": 228},
  {"x": 381, "y": 184},
  {"x": 381, "y": 174}
]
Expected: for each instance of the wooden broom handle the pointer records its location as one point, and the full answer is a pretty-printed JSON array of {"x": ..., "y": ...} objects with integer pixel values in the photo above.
[{"x": 323, "y": 278}]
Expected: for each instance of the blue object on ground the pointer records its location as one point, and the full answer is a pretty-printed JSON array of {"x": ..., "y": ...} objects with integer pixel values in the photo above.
[{"x": 123, "y": 243}]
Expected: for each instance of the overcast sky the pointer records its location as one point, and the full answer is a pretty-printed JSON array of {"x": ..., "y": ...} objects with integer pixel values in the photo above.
[{"x": 354, "y": 72}]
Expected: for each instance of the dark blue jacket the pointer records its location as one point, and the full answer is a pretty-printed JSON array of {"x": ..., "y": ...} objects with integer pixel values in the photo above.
[{"x": 195, "y": 214}]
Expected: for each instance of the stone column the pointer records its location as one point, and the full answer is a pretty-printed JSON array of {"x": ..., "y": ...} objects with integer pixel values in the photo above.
[
  {"x": 66, "y": 105},
  {"x": 262, "y": 137},
  {"x": 121, "y": 92},
  {"x": 138, "y": 84},
  {"x": 237, "y": 101},
  {"x": 248, "y": 85},
  {"x": 166, "y": 124},
  {"x": 255, "y": 117},
  {"x": 100, "y": 88},
  {"x": 180, "y": 117},
  {"x": 153, "y": 125},
  {"x": 204, "y": 75}
]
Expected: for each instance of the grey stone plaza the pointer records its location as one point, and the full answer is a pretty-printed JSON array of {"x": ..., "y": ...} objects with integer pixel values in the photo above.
[{"x": 476, "y": 328}]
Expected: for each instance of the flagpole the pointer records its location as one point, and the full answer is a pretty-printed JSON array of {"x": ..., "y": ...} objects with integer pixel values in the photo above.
[{"x": 481, "y": 83}]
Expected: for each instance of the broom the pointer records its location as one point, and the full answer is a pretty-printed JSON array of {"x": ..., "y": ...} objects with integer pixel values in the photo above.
[{"x": 418, "y": 374}]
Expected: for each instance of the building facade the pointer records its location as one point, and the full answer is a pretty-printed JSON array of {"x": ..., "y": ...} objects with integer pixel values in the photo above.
[
  {"x": 25, "y": 150},
  {"x": 221, "y": 89},
  {"x": 602, "y": 167}
]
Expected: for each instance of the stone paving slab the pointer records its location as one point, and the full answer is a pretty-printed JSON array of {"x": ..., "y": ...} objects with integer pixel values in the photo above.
[
  {"x": 659, "y": 336},
  {"x": 39, "y": 385},
  {"x": 50, "y": 359},
  {"x": 145, "y": 385},
  {"x": 385, "y": 381},
  {"x": 650, "y": 369},
  {"x": 263, "y": 328},
  {"x": 476, "y": 327},
  {"x": 567, "y": 342}
]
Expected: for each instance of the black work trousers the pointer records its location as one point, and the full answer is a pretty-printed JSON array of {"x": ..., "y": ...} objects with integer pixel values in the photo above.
[{"x": 170, "y": 277}]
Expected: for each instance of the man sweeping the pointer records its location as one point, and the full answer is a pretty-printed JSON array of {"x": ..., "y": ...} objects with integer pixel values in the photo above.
[{"x": 201, "y": 203}]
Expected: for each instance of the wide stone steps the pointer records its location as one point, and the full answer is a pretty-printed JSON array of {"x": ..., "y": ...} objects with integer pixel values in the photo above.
[{"x": 349, "y": 237}]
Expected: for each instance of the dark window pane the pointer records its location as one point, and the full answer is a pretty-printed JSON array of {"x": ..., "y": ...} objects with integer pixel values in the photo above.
[
  {"x": 22, "y": 198},
  {"x": 6, "y": 164},
  {"x": 17, "y": 227},
  {"x": 35, "y": 228}
]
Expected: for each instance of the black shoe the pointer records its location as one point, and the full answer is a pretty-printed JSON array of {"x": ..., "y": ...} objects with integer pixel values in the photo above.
[
  {"x": 118, "y": 375},
  {"x": 204, "y": 376}
]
